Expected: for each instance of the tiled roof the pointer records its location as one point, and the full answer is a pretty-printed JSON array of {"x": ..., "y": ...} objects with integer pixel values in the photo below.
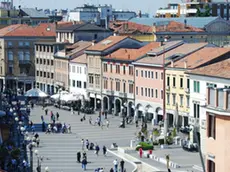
[
  {"x": 198, "y": 22},
  {"x": 132, "y": 54},
  {"x": 41, "y": 30},
  {"x": 200, "y": 57},
  {"x": 80, "y": 27},
  {"x": 33, "y": 13},
  {"x": 80, "y": 59},
  {"x": 107, "y": 43},
  {"x": 174, "y": 26},
  {"x": 77, "y": 48},
  {"x": 220, "y": 69},
  {"x": 179, "y": 51},
  {"x": 129, "y": 27}
]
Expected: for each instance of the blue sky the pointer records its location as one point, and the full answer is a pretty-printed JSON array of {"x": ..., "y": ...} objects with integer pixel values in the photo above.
[{"x": 149, "y": 6}]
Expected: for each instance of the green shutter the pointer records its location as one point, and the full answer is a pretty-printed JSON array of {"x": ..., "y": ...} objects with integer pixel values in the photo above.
[{"x": 194, "y": 86}]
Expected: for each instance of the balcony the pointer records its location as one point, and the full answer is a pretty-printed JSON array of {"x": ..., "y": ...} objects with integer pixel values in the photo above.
[
  {"x": 25, "y": 62},
  {"x": 187, "y": 90},
  {"x": 218, "y": 98},
  {"x": 194, "y": 121}
]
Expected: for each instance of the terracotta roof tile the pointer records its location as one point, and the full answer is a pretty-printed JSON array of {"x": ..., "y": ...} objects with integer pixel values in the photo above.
[
  {"x": 200, "y": 57},
  {"x": 220, "y": 69},
  {"x": 174, "y": 26},
  {"x": 43, "y": 29},
  {"x": 122, "y": 27},
  {"x": 80, "y": 59},
  {"x": 107, "y": 43},
  {"x": 132, "y": 54},
  {"x": 181, "y": 50}
]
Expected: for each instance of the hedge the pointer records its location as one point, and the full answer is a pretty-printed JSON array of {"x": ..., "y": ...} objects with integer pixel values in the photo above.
[{"x": 144, "y": 146}]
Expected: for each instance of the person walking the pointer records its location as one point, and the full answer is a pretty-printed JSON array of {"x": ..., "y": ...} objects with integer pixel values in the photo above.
[
  {"x": 84, "y": 163},
  {"x": 140, "y": 152},
  {"x": 107, "y": 123},
  {"x": 104, "y": 150},
  {"x": 87, "y": 144},
  {"x": 83, "y": 144},
  {"x": 69, "y": 128},
  {"x": 37, "y": 141},
  {"x": 97, "y": 149},
  {"x": 46, "y": 111},
  {"x": 122, "y": 163},
  {"x": 90, "y": 120},
  {"x": 57, "y": 116},
  {"x": 42, "y": 118},
  {"x": 79, "y": 157},
  {"x": 84, "y": 155},
  {"x": 115, "y": 163}
]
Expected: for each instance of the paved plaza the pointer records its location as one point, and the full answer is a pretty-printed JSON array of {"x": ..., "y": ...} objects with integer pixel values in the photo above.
[{"x": 59, "y": 150}]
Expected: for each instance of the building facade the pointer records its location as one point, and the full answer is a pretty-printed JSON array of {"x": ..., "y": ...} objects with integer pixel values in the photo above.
[
  {"x": 44, "y": 63},
  {"x": 17, "y": 53},
  {"x": 94, "y": 63}
]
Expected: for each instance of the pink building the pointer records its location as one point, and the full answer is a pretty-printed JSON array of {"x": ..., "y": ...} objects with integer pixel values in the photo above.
[{"x": 118, "y": 79}]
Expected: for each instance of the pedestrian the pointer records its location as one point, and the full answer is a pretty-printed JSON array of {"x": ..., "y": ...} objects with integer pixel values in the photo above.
[
  {"x": 37, "y": 141},
  {"x": 136, "y": 123},
  {"x": 106, "y": 112},
  {"x": 69, "y": 128},
  {"x": 111, "y": 170},
  {"x": 90, "y": 120},
  {"x": 84, "y": 156},
  {"x": 97, "y": 149},
  {"x": 79, "y": 157},
  {"x": 84, "y": 163},
  {"x": 115, "y": 163},
  {"x": 53, "y": 119},
  {"x": 33, "y": 129},
  {"x": 140, "y": 152},
  {"x": 107, "y": 123},
  {"x": 87, "y": 144},
  {"x": 83, "y": 143},
  {"x": 57, "y": 116},
  {"x": 72, "y": 111},
  {"x": 42, "y": 118},
  {"x": 46, "y": 111},
  {"x": 122, "y": 163},
  {"x": 104, "y": 150}
]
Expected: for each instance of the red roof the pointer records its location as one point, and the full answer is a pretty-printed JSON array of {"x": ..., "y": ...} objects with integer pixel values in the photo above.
[{"x": 41, "y": 30}]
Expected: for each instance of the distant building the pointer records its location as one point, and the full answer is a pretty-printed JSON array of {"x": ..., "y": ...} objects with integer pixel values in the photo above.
[
  {"x": 17, "y": 53},
  {"x": 81, "y": 32}
]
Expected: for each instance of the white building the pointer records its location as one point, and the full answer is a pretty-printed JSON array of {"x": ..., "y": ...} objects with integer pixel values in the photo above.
[
  {"x": 209, "y": 76},
  {"x": 78, "y": 75}
]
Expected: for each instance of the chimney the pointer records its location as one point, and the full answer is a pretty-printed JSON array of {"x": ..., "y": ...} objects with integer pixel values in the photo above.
[
  {"x": 93, "y": 42},
  {"x": 114, "y": 34},
  {"x": 139, "y": 14},
  {"x": 185, "y": 64},
  {"x": 172, "y": 63},
  {"x": 185, "y": 23}
]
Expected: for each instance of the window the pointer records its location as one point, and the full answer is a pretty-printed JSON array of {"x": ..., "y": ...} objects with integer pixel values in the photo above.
[
  {"x": 80, "y": 70},
  {"x": 124, "y": 87},
  {"x": 156, "y": 93},
  {"x": 20, "y": 55},
  {"x": 196, "y": 85},
  {"x": 188, "y": 83},
  {"x": 181, "y": 100},
  {"x": 40, "y": 73},
  {"x": 20, "y": 43},
  {"x": 27, "y": 55},
  {"x": 131, "y": 88},
  {"x": 105, "y": 84},
  {"x": 117, "y": 85},
  {"x": 37, "y": 60},
  {"x": 44, "y": 61},
  {"x": 174, "y": 99},
  {"x": 79, "y": 84},
  {"x": 40, "y": 61},
  {"x": 91, "y": 79},
  {"x": 52, "y": 75},
  {"x": 130, "y": 70},
  {"x": 162, "y": 76},
  {"x": 142, "y": 91},
  {"x": 84, "y": 84},
  {"x": 27, "y": 44},
  {"x": 211, "y": 126},
  {"x": 162, "y": 94},
  {"x": 95, "y": 36},
  {"x": 136, "y": 90},
  {"x": 73, "y": 69},
  {"x": 118, "y": 69},
  {"x": 152, "y": 93},
  {"x": 10, "y": 69},
  {"x": 48, "y": 75},
  {"x": 10, "y": 56},
  {"x": 10, "y": 44},
  {"x": 73, "y": 83},
  {"x": 146, "y": 73},
  {"x": 111, "y": 68},
  {"x": 52, "y": 62},
  {"x": 168, "y": 81},
  {"x": 152, "y": 75},
  {"x": 187, "y": 101},
  {"x": 196, "y": 110},
  {"x": 44, "y": 74},
  {"x": 156, "y": 75},
  {"x": 124, "y": 70},
  {"x": 211, "y": 166},
  {"x": 84, "y": 70},
  {"x": 146, "y": 93},
  {"x": 174, "y": 81},
  {"x": 136, "y": 72},
  {"x": 211, "y": 85},
  {"x": 149, "y": 74},
  {"x": 181, "y": 82},
  {"x": 37, "y": 73},
  {"x": 142, "y": 73},
  {"x": 168, "y": 98},
  {"x": 111, "y": 84},
  {"x": 105, "y": 67}
]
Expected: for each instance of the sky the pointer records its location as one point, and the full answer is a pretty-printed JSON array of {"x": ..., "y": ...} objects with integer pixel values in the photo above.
[{"x": 146, "y": 6}]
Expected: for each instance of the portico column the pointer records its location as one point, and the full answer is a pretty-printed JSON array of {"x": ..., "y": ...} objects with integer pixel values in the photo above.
[
  {"x": 109, "y": 106},
  {"x": 102, "y": 104},
  {"x": 135, "y": 115},
  {"x": 32, "y": 84},
  {"x": 95, "y": 102}
]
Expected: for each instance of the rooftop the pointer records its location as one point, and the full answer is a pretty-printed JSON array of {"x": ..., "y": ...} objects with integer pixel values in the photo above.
[
  {"x": 132, "y": 54},
  {"x": 201, "y": 57},
  {"x": 107, "y": 43},
  {"x": 33, "y": 13},
  {"x": 80, "y": 59},
  {"x": 219, "y": 69},
  {"x": 79, "y": 26},
  {"x": 172, "y": 53},
  {"x": 41, "y": 30},
  {"x": 174, "y": 26},
  {"x": 198, "y": 22}
]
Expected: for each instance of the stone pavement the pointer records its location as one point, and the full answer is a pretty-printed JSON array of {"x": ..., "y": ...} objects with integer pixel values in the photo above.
[{"x": 59, "y": 150}]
